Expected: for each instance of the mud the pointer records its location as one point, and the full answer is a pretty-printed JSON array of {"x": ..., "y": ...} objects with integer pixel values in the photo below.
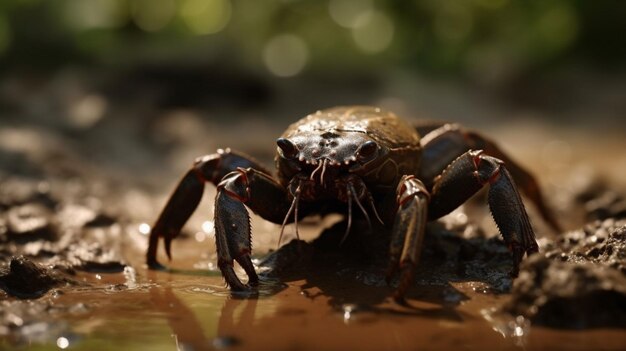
[
  {"x": 47, "y": 238},
  {"x": 578, "y": 281},
  {"x": 52, "y": 245},
  {"x": 72, "y": 271},
  {"x": 600, "y": 242},
  {"x": 569, "y": 295},
  {"x": 26, "y": 279}
]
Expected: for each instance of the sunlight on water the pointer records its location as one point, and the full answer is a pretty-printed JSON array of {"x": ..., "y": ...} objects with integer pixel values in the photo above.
[
  {"x": 63, "y": 343},
  {"x": 208, "y": 227},
  {"x": 144, "y": 228},
  {"x": 348, "y": 309}
]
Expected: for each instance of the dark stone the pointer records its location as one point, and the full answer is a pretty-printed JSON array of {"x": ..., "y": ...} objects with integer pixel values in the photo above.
[{"x": 26, "y": 279}]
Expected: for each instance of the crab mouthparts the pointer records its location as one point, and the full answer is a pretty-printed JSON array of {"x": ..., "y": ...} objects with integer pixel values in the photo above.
[{"x": 322, "y": 166}]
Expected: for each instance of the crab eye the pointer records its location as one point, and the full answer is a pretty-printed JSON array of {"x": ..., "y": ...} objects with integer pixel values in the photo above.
[
  {"x": 367, "y": 149},
  {"x": 287, "y": 148}
]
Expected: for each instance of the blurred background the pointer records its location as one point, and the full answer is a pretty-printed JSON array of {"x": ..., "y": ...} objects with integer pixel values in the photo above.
[{"x": 138, "y": 88}]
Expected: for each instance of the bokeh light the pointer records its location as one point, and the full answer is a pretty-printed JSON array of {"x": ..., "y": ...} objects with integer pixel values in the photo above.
[
  {"x": 350, "y": 13},
  {"x": 373, "y": 32},
  {"x": 87, "y": 111},
  {"x": 95, "y": 13},
  {"x": 200, "y": 236},
  {"x": 208, "y": 227},
  {"x": 285, "y": 55},
  {"x": 205, "y": 16},
  {"x": 151, "y": 16},
  {"x": 424, "y": 34},
  {"x": 144, "y": 228},
  {"x": 63, "y": 342}
]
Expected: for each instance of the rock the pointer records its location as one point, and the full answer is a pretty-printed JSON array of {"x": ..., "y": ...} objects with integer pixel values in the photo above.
[{"x": 26, "y": 279}]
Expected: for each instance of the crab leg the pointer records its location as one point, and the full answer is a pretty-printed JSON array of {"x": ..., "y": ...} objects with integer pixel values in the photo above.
[
  {"x": 187, "y": 196},
  {"x": 408, "y": 232},
  {"x": 264, "y": 196},
  {"x": 444, "y": 143},
  {"x": 468, "y": 174},
  {"x": 178, "y": 209}
]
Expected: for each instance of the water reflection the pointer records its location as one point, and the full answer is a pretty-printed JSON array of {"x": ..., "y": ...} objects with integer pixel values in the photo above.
[
  {"x": 303, "y": 314},
  {"x": 228, "y": 323},
  {"x": 516, "y": 328},
  {"x": 180, "y": 318}
]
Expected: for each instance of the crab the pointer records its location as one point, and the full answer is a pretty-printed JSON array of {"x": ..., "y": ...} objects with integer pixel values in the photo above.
[{"x": 359, "y": 161}]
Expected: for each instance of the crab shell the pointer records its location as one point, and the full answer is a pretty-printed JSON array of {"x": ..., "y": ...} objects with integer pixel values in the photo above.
[{"x": 369, "y": 142}]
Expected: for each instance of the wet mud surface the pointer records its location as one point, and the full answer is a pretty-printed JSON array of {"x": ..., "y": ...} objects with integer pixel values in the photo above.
[
  {"x": 72, "y": 274},
  {"x": 579, "y": 282}
]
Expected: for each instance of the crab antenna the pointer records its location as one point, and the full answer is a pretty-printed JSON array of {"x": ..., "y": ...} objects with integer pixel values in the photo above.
[
  {"x": 356, "y": 198},
  {"x": 323, "y": 171},
  {"x": 349, "y": 217},
  {"x": 295, "y": 215},
  {"x": 371, "y": 203},
  {"x": 291, "y": 208}
]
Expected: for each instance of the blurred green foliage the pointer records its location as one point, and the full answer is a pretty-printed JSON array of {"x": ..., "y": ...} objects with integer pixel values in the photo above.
[{"x": 471, "y": 37}]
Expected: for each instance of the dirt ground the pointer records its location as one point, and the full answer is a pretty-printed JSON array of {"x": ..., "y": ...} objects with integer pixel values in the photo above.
[{"x": 74, "y": 219}]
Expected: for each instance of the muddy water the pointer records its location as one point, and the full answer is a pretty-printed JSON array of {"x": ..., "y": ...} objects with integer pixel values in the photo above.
[
  {"x": 195, "y": 313},
  {"x": 189, "y": 309}
]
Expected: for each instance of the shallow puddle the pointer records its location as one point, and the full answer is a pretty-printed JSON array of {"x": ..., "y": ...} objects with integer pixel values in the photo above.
[{"x": 190, "y": 309}]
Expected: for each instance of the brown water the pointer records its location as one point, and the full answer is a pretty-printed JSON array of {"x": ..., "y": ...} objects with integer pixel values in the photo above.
[{"x": 189, "y": 309}]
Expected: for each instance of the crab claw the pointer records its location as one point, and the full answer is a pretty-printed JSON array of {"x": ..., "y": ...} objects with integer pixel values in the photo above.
[
  {"x": 232, "y": 229},
  {"x": 471, "y": 172}
]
